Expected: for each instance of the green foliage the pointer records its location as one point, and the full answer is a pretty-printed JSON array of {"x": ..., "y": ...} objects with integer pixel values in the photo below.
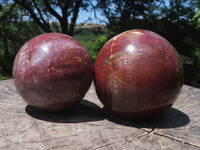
[
  {"x": 96, "y": 46},
  {"x": 196, "y": 18},
  {"x": 55, "y": 27},
  {"x": 91, "y": 41},
  {"x": 4, "y": 77},
  {"x": 14, "y": 32}
]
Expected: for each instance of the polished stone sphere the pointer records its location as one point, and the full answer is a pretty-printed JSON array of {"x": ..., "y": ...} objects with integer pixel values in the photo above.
[
  {"x": 52, "y": 71},
  {"x": 138, "y": 74}
]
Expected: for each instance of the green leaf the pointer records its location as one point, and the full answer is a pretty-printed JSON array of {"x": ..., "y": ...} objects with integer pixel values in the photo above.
[{"x": 197, "y": 16}]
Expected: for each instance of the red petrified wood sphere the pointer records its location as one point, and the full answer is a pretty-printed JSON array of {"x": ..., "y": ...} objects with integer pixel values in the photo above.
[
  {"x": 138, "y": 74},
  {"x": 52, "y": 71}
]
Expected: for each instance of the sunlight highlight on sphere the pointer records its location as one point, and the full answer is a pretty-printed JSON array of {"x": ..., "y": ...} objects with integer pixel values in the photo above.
[{"x": 131, "y": 48}]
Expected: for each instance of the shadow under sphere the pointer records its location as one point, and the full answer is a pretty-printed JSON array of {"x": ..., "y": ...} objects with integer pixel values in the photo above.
[
  {"x": 84, "y": 111},
  {"x": 171, "y": 118}
]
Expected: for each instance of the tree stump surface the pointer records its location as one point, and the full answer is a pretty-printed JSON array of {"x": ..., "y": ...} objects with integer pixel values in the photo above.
[{"x": 88, "y": 126}]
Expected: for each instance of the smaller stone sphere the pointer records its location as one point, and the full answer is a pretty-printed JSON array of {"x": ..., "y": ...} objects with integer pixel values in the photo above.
[
  {"x": 138, "y": 74},
  {"x": 52, "y": 71}
]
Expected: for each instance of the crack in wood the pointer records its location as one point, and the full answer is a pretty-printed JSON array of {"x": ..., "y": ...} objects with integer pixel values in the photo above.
[
  {"x": 59, "y": 146},
  {"x": 176, "y": 139},
  {"x": 194, "y": 93},
  {"x": 131, "y": 140},
  {"x": 103, "y": 145}
]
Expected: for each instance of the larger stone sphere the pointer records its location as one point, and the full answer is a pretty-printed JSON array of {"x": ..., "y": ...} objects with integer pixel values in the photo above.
[
  {"x": 138, "y": 74},
  {"x": 52, "y": 71}
]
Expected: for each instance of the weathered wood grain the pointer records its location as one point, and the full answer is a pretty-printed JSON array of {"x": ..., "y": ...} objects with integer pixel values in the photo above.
[{"x": 88, "y": 126}]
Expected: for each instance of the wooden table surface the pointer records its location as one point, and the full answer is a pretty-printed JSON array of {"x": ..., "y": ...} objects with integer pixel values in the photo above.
[{"x": 88, "y": 126}]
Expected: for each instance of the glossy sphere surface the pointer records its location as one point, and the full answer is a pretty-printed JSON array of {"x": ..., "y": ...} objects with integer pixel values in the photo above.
[
  {"x": 52, "y": 71},
  {"x": 138, "y": 74}
]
